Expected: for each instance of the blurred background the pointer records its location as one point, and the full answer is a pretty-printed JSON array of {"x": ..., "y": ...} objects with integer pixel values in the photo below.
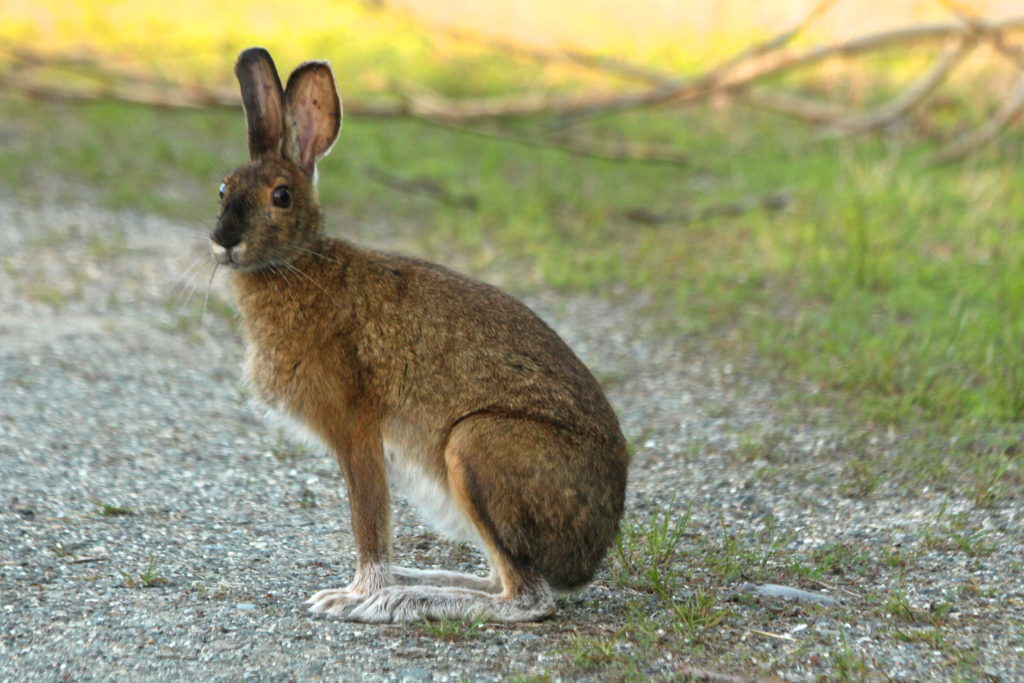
[
  {"x": 371, "y": 41},
  {"x": 829, "y": 190},
  {"x": 787, "y": 236}
]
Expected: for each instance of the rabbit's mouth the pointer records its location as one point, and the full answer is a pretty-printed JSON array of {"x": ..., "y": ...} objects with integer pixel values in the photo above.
[{"x": 228, "y": 255}]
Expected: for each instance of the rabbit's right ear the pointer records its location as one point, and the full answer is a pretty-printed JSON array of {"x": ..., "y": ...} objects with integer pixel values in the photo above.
[
  {"x": 313, "y": 114},
  {"x": 263, "y": 99}
]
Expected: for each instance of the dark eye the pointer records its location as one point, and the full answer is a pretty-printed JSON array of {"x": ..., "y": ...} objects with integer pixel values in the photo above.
[
  {"x": 281, "y": 197},
  {"x": 223, "y": 187}
]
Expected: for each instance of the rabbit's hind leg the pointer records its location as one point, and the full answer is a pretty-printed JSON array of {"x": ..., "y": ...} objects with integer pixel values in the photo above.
[{"x": 524, "y": 595}]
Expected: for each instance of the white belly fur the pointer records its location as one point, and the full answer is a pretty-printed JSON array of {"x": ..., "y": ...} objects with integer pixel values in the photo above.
[
  {"x": 430, "y": 496},
  {"x": 293, "y": 427}
]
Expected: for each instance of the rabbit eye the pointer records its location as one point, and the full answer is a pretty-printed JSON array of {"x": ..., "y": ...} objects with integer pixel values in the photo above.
[
  {"x": 281, "y": 197},
  {"x": 223, "y": 187}
]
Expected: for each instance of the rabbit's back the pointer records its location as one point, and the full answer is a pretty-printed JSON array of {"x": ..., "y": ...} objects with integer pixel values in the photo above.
[
  {"x": 462, "y": 346},
  {"x": 413, "y": 337}
]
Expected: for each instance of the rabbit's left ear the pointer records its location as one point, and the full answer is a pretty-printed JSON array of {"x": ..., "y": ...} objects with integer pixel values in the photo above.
[
  {"x": 262, "y": 98},
  {"x": 313, "y": 113}
]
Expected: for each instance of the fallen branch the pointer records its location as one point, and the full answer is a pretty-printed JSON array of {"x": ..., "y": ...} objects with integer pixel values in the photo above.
[
  {"x": 886, "y": 39},
  {"x": 740, "y": 71},
  {"x": 970, "y": 30},
  {"x": 737, "y": 74},
  {"x": 775, "y": 201},
  {"x": 721, "y": 78}
]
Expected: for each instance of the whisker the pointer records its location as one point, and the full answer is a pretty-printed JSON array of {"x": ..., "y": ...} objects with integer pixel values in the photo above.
[
  {"x": 330, "y": 296},
  {"x": 185, "y": 282},
  {"x": 206, "y": 299},
  {"x": 323, "y": 256},
  {"x": 287, "y": 290},
  {"x": 189, "y": 227}
]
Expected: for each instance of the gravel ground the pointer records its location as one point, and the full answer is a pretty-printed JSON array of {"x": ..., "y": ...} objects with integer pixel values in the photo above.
[{"x": 130, "y": 455}]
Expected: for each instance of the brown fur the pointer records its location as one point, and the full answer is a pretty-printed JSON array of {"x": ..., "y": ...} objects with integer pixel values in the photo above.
[{"x": 458, "y": 378}]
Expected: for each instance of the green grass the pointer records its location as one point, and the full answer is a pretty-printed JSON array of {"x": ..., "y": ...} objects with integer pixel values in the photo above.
[
  {"x": 147, "y": 578},
  {"x": 678, "y": 599},
  {"x": 850, "y": 664},
  {"x": 646, "y": 553},
  {"x": 453, "y": 630},
  {"x": 110, "y": 510},
  {"x": 891, "y": 286}
]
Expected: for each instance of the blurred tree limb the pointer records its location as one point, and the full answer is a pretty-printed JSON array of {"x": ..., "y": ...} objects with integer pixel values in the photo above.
[{"x": 742, "y": 75}]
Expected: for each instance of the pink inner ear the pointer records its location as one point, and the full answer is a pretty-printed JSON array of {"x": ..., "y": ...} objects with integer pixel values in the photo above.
[{"x": 313, "y": 115}]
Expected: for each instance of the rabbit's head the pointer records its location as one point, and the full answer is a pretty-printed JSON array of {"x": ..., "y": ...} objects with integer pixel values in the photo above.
[{"x": 269, "y": 212}]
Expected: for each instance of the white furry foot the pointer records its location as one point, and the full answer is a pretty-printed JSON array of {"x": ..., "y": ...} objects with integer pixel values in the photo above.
[
  {"x": 336, "y": 601},
  {"x": 404, "y": 604},
  {"x": 407, "y": 576}
]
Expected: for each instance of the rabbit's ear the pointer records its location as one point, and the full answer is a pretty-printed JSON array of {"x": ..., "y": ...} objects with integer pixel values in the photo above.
[
  {"x": 313, "y": 114},
  {"x": 262, "y": 98}
]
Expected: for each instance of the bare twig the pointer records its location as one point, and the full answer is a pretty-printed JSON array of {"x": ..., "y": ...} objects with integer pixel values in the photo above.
[
  {"x": 667, "y": 89},
  {"x": 627, "y": 69},
  {"x": 910, "y": 98},
  {"x": 877, "y": 41},
  {"x": 810, "y": 110},
  {"x": 775, "y": 43},
  {"x": 768, "y": 634},
  {"x": 984, "y": 28},
  {"x": 981, "y": 136},
  {"x": 729, "y": 76}
]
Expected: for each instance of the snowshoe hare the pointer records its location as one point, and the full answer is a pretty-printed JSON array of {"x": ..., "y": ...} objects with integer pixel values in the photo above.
[{"x": 452, "y": 391}]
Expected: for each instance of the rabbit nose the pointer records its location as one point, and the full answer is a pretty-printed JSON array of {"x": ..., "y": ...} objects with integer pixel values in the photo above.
[{"x": 227, "y": 241}]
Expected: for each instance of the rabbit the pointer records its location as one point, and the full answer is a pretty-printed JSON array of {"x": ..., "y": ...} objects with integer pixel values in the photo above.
[{"x": 443, "y": 387}]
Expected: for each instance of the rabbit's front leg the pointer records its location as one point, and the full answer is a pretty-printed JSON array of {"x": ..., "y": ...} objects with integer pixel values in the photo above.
[{"x": 360, "y": 453}]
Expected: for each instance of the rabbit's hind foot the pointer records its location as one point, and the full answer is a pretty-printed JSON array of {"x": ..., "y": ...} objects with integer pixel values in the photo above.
[
  {"x": 334, "y": 601},
  {"x": 338, "y": 601},
  {"x": 408, "y": 576},
  {"x": 404, "y": 604}
]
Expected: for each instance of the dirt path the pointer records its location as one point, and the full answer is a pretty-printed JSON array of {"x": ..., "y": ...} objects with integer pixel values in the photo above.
[{"x": 114, "y": 400}]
